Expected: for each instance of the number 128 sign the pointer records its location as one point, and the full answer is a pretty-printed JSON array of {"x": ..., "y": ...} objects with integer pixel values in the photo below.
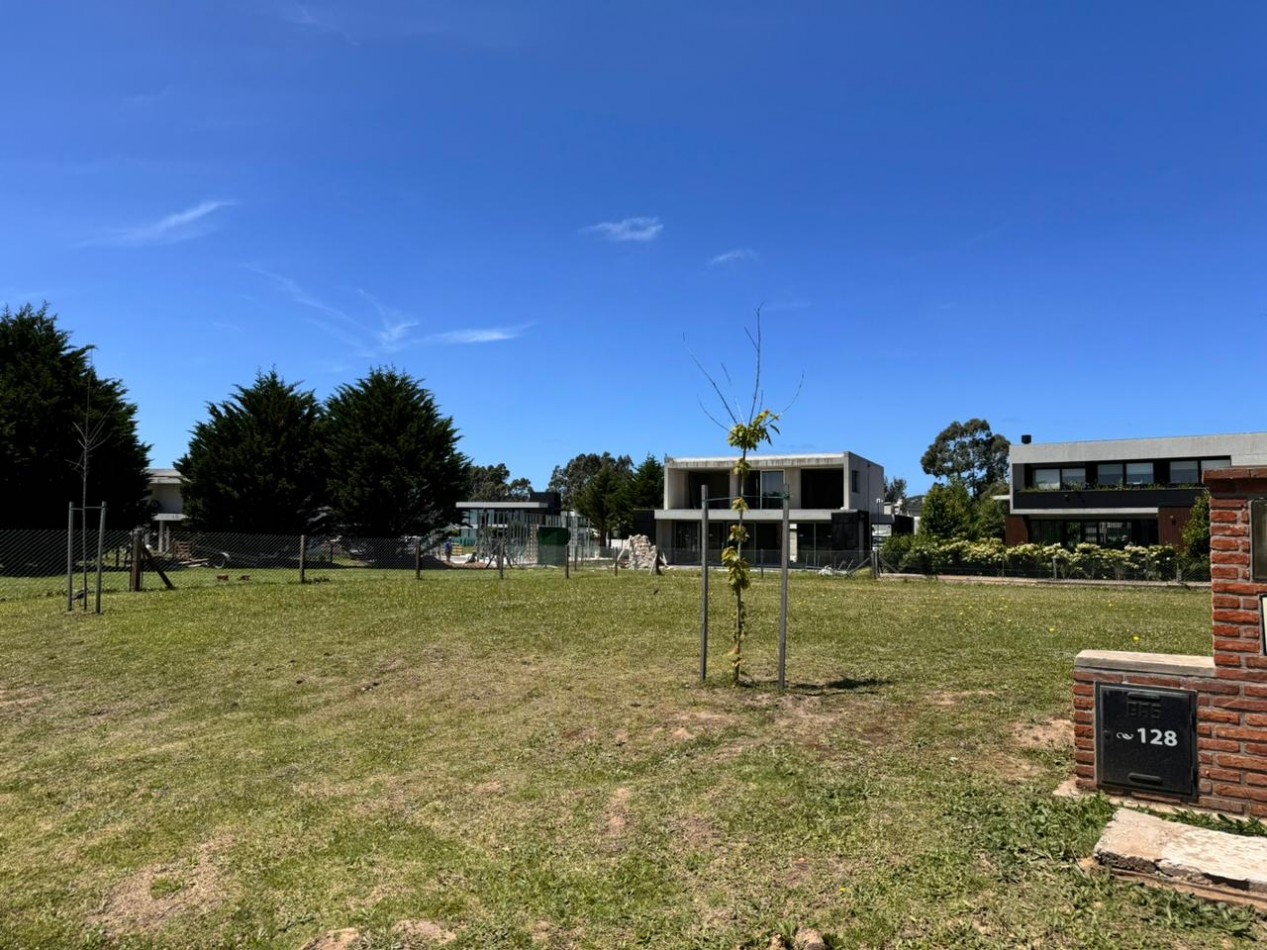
[{"x": 1146, "y": 738}]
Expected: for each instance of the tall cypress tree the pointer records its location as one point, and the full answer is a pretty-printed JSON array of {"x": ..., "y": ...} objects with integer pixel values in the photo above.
[
  {"x": 51, "y": 400},
  {"x": 394, "y": 467},
  {"x": 257, "y": 463}
]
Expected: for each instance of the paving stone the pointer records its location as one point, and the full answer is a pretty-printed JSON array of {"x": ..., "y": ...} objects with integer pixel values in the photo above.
[{"x": 1134, "y": 841}]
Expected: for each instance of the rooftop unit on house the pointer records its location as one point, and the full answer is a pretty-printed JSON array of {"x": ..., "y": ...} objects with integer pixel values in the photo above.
[
  {"x": 834, "y": 499},
  {"x": 1116, "y": 492}
]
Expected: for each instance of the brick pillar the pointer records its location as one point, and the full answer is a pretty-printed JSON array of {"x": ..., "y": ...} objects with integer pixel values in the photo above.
[
  {"x": 1231, "y": 686},
  {"x": 1237, "y": 754},
  {"x": 1235, "y": 596}
]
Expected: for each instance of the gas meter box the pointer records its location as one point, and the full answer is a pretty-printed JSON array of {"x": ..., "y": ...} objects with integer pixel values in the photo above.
[{"x": 1146, "y": 739}]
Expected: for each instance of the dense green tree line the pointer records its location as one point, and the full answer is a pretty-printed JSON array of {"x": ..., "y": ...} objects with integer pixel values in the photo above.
[
  {"x": 66, "y": 433},
  {"x": 377, "y": 459}
]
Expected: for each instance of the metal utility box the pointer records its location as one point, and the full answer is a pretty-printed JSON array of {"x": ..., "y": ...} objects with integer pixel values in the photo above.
[{"x": 1146, "y": 739}]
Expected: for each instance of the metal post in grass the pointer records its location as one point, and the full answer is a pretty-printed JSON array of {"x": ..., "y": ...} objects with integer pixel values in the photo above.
[
  {"x": 70, "y": 558},
  {"x": 501, "y": 558},
  {"x": 134, "y": 575},
  {"x": 101, "y": 544},
  {"x": 303, "y": 560},
  {"x": 417, "y": 558},
  {"x": 787, "y": 543},
  {"x": 703, "y": 588}
]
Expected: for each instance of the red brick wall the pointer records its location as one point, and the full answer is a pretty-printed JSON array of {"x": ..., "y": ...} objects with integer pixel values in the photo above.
[
  {"x": 1238, "y": 765},
  {"x": 1232, "y": 704}
]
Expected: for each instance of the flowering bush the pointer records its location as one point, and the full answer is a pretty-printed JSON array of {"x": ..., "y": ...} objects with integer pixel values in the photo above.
[{"x": 918, "y": 554}]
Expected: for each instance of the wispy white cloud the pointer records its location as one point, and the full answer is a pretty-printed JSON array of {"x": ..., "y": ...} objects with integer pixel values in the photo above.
[
  {"x": 392, "y": 332},
  {"x": 181, "y": 226},
  {"x": 627, "y": 229},
  {"x": 492, "y": 25},
  {"x": 301, "y": 296},
  {"x": 733, "y": 257},
  {"x": 490, "y": 335},
  {"x": 318, "y": 20}
]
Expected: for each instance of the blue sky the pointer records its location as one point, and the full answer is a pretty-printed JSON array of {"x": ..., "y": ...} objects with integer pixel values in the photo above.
[{"x": 1053, "y": 216}]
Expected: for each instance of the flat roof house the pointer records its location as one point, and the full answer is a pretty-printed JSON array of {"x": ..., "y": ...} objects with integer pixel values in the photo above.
[
  {"x": 834, "y": 499},
  {"x": 168, "y": 503},
  {"x": 1116, "y": 492}
]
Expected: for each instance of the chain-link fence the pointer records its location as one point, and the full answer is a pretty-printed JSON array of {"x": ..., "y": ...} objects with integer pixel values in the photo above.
[
  {"x": 73, "y": 566},
  {"x": 765, "y": 559},
  {"x": 1060, "y": 565}
]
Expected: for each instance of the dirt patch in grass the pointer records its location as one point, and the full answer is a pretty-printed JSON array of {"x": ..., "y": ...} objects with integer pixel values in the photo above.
[
  {"x": 948, "y": 699},
  {"x": 147, "y": 900},
  {"x": 422, "y": 933},
  {"x": 1051, "y": 734},
  {"x": 618, "y": 813},
  {"x": 345, "y": 939}
]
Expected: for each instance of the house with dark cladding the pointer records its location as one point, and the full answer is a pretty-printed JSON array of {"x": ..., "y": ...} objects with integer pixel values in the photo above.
[{"x": 1116, "y": 492}]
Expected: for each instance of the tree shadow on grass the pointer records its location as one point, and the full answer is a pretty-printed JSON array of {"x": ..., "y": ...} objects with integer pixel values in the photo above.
[{"x": 867, "y": 685}]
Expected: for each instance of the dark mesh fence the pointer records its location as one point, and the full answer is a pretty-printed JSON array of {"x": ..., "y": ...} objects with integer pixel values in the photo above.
[
  {"x": 37, "y": 564},
  {"x": 772, "y": 559}
]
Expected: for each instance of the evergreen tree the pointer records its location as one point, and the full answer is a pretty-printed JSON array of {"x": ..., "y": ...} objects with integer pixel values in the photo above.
[
  {"x": 602, "y": 501},
  {"x": 646, "y": 487},
  {"x": 51, "y": 399},
  {"x": 394, "y": 467},
  {"x": 1195, "y": 539},
  {"x": 257, "y": 463},
  {"x": 895, "y": 490},
  {"x": 970, "y": 452},
  {"x": 493, "y": 483},
  {"x": 948, "y": 512},
  {"x": 570, "y": 480}
]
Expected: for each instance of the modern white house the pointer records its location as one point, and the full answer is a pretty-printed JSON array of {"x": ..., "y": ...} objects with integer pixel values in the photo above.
[
  {"x": 165, "y": 496},
  {"x": 834, "y": 499},
  {"x": 1116, "y": 492}
]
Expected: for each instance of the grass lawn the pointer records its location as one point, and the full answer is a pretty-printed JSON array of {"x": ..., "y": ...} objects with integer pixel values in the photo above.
[{"x": 532, "y": 763}]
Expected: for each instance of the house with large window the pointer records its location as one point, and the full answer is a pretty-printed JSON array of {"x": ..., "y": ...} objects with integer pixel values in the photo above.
[
  {"x": 1116, "y": 492},
  {"x": 834, "y": 499}
]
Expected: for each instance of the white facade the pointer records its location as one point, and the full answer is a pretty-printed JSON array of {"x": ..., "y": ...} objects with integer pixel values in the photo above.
[{"x": 817, "y": 486}]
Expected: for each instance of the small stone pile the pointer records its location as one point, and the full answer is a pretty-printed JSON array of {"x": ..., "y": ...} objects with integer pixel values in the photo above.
[{"x": 643, "y": 555}]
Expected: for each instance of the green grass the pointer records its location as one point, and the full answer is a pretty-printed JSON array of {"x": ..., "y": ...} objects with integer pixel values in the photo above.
[{"x": 251, "y": 765}]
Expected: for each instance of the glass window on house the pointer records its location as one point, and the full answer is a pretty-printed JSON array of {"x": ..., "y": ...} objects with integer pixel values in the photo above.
[
  {"x": 854, "y": 481},
  {"x": 1185, "y": 472},
  {"x": 1110, "y": 474},
  {"x": 1046, "y": 532},
  {"x": 1073, "y": 477},
  {"x": 1115, "y": 534},
  {"x": 772, "y": 489},
  {"x": 1047, "y": 478},
  {"x": 1139, "y": 473},
  {"x": 1213, "y": 465}
]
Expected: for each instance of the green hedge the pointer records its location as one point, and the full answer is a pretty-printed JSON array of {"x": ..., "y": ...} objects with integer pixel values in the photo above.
[{"x": 917, "y": 554}]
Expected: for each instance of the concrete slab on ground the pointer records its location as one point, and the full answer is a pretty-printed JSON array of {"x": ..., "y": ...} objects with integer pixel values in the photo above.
[{"x": 1217, "y": 864}]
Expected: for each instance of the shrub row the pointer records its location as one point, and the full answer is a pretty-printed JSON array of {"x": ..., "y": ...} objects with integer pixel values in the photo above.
[{"x": 917, "y": 554}]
